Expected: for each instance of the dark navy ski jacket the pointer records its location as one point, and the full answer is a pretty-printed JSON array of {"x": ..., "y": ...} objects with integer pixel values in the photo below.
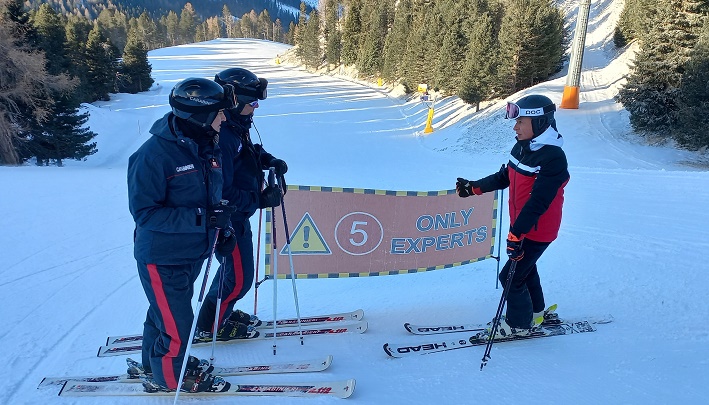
[
  {"x": 243, "y": 165},
  {"x": 170, "y": 187}
]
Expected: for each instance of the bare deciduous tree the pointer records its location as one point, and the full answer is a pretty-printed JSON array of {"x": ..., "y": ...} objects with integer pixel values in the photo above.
[{"x": 25, "y": 88}]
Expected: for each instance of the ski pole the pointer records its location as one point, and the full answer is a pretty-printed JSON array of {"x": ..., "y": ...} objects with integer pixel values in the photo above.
[
  {"x": 258, "y": 256},
  {"x": 499, "y": 236},
  {"x": 282, "y": 185},
  {"x": 498, "y": 315},
  {"x": 194, "y": 320},
  {"x": 274, "y": 258},
  {"x": 221, "y": 270}
]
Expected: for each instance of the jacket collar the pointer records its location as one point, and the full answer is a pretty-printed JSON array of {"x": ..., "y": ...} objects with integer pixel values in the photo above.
[{"x": 548, "y": 137}]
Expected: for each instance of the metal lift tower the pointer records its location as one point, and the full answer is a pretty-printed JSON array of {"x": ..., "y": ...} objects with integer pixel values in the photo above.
[{"x": 570, "y": 99}]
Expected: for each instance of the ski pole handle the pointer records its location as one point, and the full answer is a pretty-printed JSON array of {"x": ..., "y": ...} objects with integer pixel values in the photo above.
[
  {"x": 271, "y": 176},
  {"x": 282, "y": 184}
]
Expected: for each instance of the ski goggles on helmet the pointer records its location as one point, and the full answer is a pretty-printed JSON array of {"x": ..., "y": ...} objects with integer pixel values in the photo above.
[{"x": 514, "y": 111}]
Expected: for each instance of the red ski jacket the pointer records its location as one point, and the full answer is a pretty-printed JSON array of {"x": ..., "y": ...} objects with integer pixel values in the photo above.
[{"x": 536, "y": 174}]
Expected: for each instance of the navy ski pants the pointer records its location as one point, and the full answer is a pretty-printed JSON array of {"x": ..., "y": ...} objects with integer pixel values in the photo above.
[
  {"x": 237, "y": 271},
  {"x": 525, "y": 295},
  {"x": 168, "y": 324}
]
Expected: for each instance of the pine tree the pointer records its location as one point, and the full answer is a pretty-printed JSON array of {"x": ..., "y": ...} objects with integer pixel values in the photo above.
[
  {"x": 115, "y": 27},
  {"x": 148, "y": 32},
  {"x": 310, "y": 41},
  {"x": 290, "y": 35},
  {"x": 370, "y": 55},
  {"x": 447, "y": 71},
  {"x": 19, "y": 22},
  {"x": 188, "y": 24},
  {"x": 51, "y": 38},
  {"x": 395, "y": 44},
  {"x": 297, "y": 33},
  {"x": 693, "y": 103},
  {"x": 228, "y": 22},
  {"x": 652, "y": 89},
  {"x": 172, "y": 23},
  {"x": 264, "y": 25},
  {"x": 532, "y": 42},
  {"x": 331, "y": 32},
  {"x": 62, "y": 136},
  {"x": 135, "y": 69},
  {"x": 77, "y": 33},
  {"x": 552, "y": 43},
  {"x": 634, "y": 21},
  {"x": 479, "y": 66},
  {"x": 248, "y": 25},
  {"x": 351, "y": 32},
  {"x": 100, "y": 59},
  {"x": 421, "y": 54},
  {"x": 278, "y": 35}
]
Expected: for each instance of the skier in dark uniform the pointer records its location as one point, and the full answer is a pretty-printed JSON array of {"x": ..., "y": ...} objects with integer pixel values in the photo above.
[
  {"x": 243, "y": 166},
  {"x": 174, "y": 193},
  {"x": 536, "y": 174}
]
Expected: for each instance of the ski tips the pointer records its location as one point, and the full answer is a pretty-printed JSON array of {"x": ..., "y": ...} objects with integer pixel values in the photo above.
[
  {"x": 328, "y": 361},
  {"x": 362, "y": 326},
  {"x": 349, "y": 388}
]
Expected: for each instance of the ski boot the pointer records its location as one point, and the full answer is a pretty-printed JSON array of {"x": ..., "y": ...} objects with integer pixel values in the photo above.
[
  {"x": 194, "y": 381},
  {"x": 505, "y": 331},
  {"x": 549, "y": 315},
  {"x": 242, "y": 317},
  {"x": 135, "y": 369},
  {"x": 199, "y": 381},
  {"x": 231, "y": 330}
]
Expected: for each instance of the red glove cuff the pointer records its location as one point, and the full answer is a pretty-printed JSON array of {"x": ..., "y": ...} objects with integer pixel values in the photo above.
[{"x": 512, "y": 237}]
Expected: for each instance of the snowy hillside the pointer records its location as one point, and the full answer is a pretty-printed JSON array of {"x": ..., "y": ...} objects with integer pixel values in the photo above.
[{"x": 632, "y": 244}]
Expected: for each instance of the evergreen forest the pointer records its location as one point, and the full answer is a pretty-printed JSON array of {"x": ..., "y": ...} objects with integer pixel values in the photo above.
[{"x": 55, "y": 55}]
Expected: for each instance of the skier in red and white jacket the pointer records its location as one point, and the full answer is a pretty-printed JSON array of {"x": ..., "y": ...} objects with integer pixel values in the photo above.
[{"x": 536, "y": 174}]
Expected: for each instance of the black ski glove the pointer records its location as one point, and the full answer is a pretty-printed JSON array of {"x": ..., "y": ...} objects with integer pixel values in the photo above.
[
  {"x": 218, "y": 216},
  {"x": 226, "y": 242},
  {"x": 280, "y": 167},
  {"x": 514, "y": 247},
  {"x": 270, "y": 197},
  {"x": 464, "y": 187}
]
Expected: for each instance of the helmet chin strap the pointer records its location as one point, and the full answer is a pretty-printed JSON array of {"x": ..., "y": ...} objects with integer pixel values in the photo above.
[
  {"x": 201, "y": 124},
  {"x": 204, "y": 125}
]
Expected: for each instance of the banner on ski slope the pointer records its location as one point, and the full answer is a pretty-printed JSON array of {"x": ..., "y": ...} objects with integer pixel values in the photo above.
[{"x": 346, "y": 232}]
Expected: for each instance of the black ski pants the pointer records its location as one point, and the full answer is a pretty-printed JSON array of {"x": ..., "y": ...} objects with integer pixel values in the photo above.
[{"x": 525, "y": 295}]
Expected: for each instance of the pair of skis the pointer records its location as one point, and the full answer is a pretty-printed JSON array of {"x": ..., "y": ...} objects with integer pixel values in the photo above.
[
  {"x": 113, "y": 385},
  {"x": 118, "y": 385},
  {"x": 469, "y": 335},
  {"x": 347, "y": 322}
]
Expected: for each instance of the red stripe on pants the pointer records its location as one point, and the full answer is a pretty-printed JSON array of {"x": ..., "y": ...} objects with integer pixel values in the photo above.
[
  {"x": 170, "y": 327},
  {"x": 238, "y": 280}
]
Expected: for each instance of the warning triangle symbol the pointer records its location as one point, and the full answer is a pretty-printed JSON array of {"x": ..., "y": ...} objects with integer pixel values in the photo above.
[{"x": 306, "y": 239}]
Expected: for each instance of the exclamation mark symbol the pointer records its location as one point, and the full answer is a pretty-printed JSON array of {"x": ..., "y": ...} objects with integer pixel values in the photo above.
[{"x": 306, "y": 236}]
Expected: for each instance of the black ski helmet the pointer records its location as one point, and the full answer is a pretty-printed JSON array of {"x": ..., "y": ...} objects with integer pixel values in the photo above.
[
  {"x": 198, "y": 100},
  {"x": 531, "y": 105},
  {"x": 247, "y": 86}
]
